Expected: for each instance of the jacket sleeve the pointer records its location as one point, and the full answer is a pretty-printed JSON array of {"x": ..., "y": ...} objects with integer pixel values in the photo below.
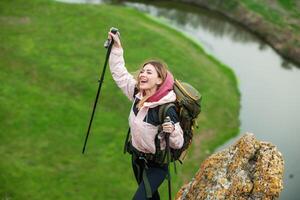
[
  {"x": 122, "y": 77},
  {"x": 176, "y": 137}
]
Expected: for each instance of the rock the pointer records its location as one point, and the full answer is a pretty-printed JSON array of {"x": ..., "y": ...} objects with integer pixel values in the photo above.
[{"x": 247, "y": 170}]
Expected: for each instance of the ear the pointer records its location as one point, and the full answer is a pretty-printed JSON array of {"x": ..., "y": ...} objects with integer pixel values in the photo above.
[{"x": 159, "y": 81}]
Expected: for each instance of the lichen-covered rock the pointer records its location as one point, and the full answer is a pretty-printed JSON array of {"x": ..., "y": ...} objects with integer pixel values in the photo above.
[{"x": 248, "y": 170}]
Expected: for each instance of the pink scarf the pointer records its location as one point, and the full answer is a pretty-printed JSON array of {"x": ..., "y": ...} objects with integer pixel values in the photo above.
[{"x": 164, "y": 89}]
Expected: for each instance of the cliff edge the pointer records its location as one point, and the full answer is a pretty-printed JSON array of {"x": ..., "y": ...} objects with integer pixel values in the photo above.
[{"x": 249, "y": 169}]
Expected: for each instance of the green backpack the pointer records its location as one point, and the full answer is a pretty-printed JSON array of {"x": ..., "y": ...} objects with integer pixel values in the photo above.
[{"x": 188, "y": 107}]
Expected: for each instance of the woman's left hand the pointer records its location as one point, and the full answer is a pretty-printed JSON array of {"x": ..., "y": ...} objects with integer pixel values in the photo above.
[{"x": 168, "y": 127}]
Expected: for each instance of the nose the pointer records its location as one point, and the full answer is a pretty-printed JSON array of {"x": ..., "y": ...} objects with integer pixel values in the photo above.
[{"x": 142, "y": 74}]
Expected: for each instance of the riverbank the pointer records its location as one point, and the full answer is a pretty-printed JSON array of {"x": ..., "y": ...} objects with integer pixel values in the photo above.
[
  {"x": 276, "y": 22},
  {"x": 51, "y": 55},
  {"x": 259, "y": 70}
]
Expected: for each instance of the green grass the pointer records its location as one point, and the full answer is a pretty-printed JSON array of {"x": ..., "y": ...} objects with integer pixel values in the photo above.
[
  {"x": 287, "y": 4},
  {"x": 51, "y": 56},
  {"x": 277, "y": 21},
  {"x": 282, "y": 13},
  {"x": 266, "y": 11}
]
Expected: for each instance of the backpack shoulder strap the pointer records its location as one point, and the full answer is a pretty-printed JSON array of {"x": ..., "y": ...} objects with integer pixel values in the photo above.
[{"x": 162, "y": 112}]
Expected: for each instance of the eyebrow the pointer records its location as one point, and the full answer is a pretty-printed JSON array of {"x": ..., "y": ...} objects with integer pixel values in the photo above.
[{"x": 148, "y": 70}]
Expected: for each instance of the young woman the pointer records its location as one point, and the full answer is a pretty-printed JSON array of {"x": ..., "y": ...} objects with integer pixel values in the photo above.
[{"x": 153, "y": 87}]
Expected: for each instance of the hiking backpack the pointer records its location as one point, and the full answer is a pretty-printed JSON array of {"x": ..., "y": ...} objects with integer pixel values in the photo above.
[{"x": 188, "y": 107}]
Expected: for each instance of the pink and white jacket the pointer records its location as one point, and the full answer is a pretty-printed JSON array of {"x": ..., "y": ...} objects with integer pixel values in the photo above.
[{"x": 142, "y": 133}]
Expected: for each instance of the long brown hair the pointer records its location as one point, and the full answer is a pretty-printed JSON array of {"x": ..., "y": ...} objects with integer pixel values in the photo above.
[{"x": 161, "y": 69}]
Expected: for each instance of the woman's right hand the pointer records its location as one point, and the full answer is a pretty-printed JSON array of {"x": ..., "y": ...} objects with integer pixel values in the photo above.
[{"x": 116, "y": 38}]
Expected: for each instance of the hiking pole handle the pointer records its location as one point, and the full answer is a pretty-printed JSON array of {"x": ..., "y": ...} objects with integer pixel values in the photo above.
[
  {"x": 110, "y": 44},
  {"x": 167, "y": 119}
]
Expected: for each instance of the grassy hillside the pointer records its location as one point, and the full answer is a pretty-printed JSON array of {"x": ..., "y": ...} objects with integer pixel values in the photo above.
[{"x": 51, "y": 56}]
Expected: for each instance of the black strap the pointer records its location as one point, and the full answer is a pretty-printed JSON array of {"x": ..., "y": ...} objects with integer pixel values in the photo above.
[
  {"x": 175, "y": 168},
  {"x": 126, "y": 141},
  {"x": 142, "y": 173},
  {"x": 162, "y": 112}
]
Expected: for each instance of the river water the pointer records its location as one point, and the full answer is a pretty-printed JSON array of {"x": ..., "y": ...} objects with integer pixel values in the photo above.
[{"x": 269, "y": 85}]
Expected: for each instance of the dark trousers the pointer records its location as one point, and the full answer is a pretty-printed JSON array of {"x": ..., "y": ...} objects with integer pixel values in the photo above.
[{"x": 155, "y": 174}]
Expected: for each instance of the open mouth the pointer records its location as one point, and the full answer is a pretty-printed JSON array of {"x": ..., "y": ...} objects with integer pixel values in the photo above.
[{"x": 143, "y": 81}]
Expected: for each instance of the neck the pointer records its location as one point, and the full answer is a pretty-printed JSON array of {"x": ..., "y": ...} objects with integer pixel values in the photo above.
[{"x": 150, "y": 92}]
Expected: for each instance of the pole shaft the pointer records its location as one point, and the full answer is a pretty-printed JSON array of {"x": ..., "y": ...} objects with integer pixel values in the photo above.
[
  {"x": 98, "y": 93},
  {"x": 168, "y": 160}
]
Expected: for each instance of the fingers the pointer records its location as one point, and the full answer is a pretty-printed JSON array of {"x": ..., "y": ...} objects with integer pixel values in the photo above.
[
  {"x": 110, "y": 35},
  {"x": 116, "y": 38},
  {"x": 168, "y": 127},
  {"x": 167, "y": 124},
  {"x": 168, "y": 130}
]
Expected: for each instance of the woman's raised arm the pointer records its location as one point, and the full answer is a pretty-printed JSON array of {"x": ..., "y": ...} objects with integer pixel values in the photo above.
[{"x": 122, "y": 77}]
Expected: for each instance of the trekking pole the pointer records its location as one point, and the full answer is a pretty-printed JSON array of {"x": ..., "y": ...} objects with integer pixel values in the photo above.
[
  {"x": 167, "y": 135},
  {"x": 108, "y": 44}
]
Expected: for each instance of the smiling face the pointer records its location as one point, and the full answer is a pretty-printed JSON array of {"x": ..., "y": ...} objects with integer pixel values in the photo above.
[{"x": 149, "y": 79}]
